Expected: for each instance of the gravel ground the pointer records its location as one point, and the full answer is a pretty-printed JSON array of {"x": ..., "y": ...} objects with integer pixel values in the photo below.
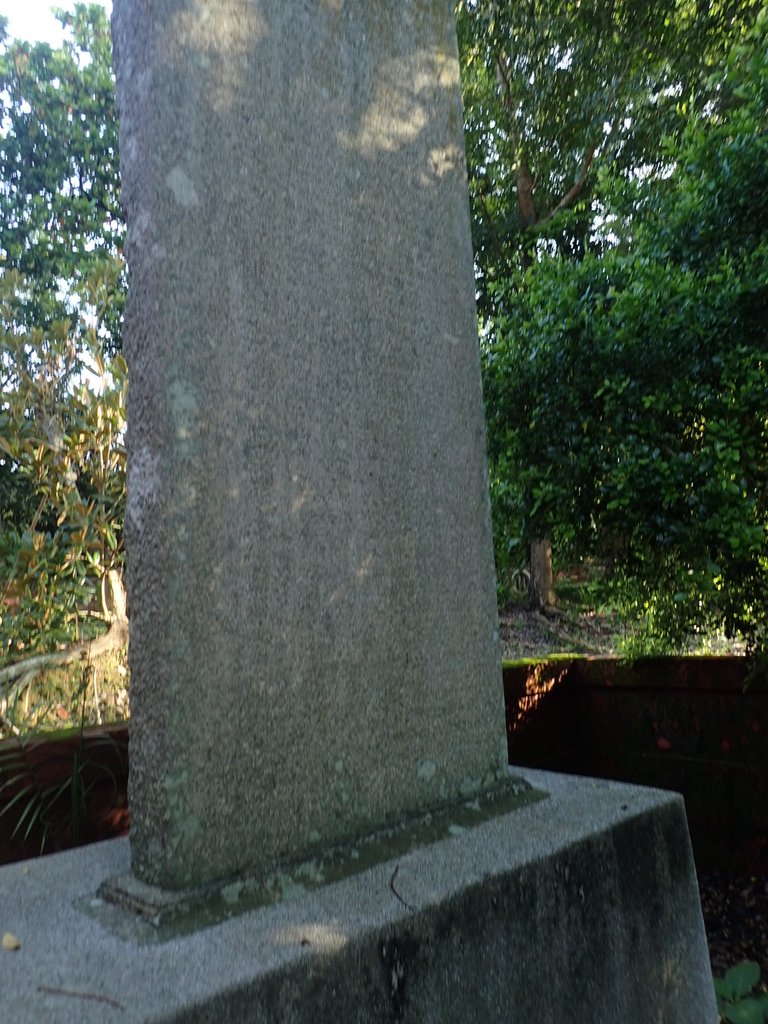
[{"x": 735, "y": 909}]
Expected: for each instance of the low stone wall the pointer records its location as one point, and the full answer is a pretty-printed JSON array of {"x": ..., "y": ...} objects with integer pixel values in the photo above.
[
  {"x": 698, "y": 726},
  {"x": 62, "y": 790}
]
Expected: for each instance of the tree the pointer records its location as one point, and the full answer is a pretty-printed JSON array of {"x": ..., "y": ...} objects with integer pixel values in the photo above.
[
  {"x": 561, "y": 97},
  {"x": 627, "y": 392},
  {"x": 59, "y": 172},
  {"x": 62, "y": 383},
  {"x": 60, "y": 216},
  {"x": 62, "y": 424},
  {"x": 559, "y": 92}
]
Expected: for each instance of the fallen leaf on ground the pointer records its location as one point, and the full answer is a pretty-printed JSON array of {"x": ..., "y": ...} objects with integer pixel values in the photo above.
[{"x": 10, "y": 941}]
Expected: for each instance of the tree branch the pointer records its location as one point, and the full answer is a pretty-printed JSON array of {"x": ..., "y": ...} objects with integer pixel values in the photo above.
[
  {"x": 116, "y": 636},
  {"x": 573, "y": 192}
]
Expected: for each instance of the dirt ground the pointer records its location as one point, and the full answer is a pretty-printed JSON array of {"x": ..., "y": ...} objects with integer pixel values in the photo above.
[{"x": 528, "y": 634}]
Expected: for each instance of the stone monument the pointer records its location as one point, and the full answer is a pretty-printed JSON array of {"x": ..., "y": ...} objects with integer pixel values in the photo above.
[
  {"x": 314, "y": 648},
  {"x": 321, "y": 825}
]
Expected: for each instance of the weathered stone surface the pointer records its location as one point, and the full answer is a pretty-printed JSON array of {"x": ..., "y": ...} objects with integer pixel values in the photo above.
[
  {"x": 578, "y": 909},
  {"x": 313, "y": 624}
]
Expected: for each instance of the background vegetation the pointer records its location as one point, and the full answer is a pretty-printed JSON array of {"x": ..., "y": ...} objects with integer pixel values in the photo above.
[
  {"x": 618, "y": 162},
  {"x": 62, "y": 379}
]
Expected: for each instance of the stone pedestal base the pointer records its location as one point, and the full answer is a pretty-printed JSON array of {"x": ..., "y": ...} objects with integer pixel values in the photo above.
[{"x": 581, "y": 907}]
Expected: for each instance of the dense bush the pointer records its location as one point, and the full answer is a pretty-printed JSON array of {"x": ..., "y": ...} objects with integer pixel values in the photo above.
[
  {"x": 62, "y": 423},
  {"x": 626, "y": 392},
  {"x": 62, "y": 290}
]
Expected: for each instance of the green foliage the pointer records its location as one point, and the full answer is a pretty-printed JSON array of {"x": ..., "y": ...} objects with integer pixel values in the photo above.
[
  {"x": 59, "y": 172},
  {"x": 626, "y": 397},
  {"x": 561, "y": 98},
  {"x": 737, "y": 1001},
  {"x": 62, "y": 420},
  {"x": 60, "y": 218}
]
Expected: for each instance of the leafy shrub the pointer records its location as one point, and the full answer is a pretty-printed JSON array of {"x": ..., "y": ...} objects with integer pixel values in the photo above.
[
  {"x": 62, "y": 423},
  {"x": 737, "y": 1001},
  {"x": 626, "y": 399}
]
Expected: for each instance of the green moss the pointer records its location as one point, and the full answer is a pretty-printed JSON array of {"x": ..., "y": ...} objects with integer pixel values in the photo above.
[
  {"x": 541, "y": 660},
  {"x": 148, "y": 914}
]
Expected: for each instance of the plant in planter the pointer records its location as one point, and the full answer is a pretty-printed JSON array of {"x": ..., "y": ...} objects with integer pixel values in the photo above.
[{"x": 49, "y": 784}]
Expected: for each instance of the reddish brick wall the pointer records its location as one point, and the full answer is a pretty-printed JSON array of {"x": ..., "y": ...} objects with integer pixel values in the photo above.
[
  {"x": 36, "y": 791},
  {"x": 695, "y": 725}
]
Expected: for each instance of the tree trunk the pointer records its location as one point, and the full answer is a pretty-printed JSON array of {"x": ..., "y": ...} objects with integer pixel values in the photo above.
[
  {"x": 526, "y": 208},
  {"x": 542, "y": 590}
]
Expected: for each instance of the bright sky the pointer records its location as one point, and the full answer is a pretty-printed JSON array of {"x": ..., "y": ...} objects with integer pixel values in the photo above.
[{"x": 32, "y": 19}]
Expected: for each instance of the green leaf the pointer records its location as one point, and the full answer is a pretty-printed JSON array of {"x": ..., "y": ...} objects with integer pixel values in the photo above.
[
  {"x": 742, "y": 978},
  {"x": 748, "y": 1011}
]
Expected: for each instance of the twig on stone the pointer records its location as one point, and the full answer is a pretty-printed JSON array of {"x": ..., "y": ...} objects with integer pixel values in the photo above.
[
  {"x": 395, "y": 893},
  {"x": 73, "y": 994}
]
